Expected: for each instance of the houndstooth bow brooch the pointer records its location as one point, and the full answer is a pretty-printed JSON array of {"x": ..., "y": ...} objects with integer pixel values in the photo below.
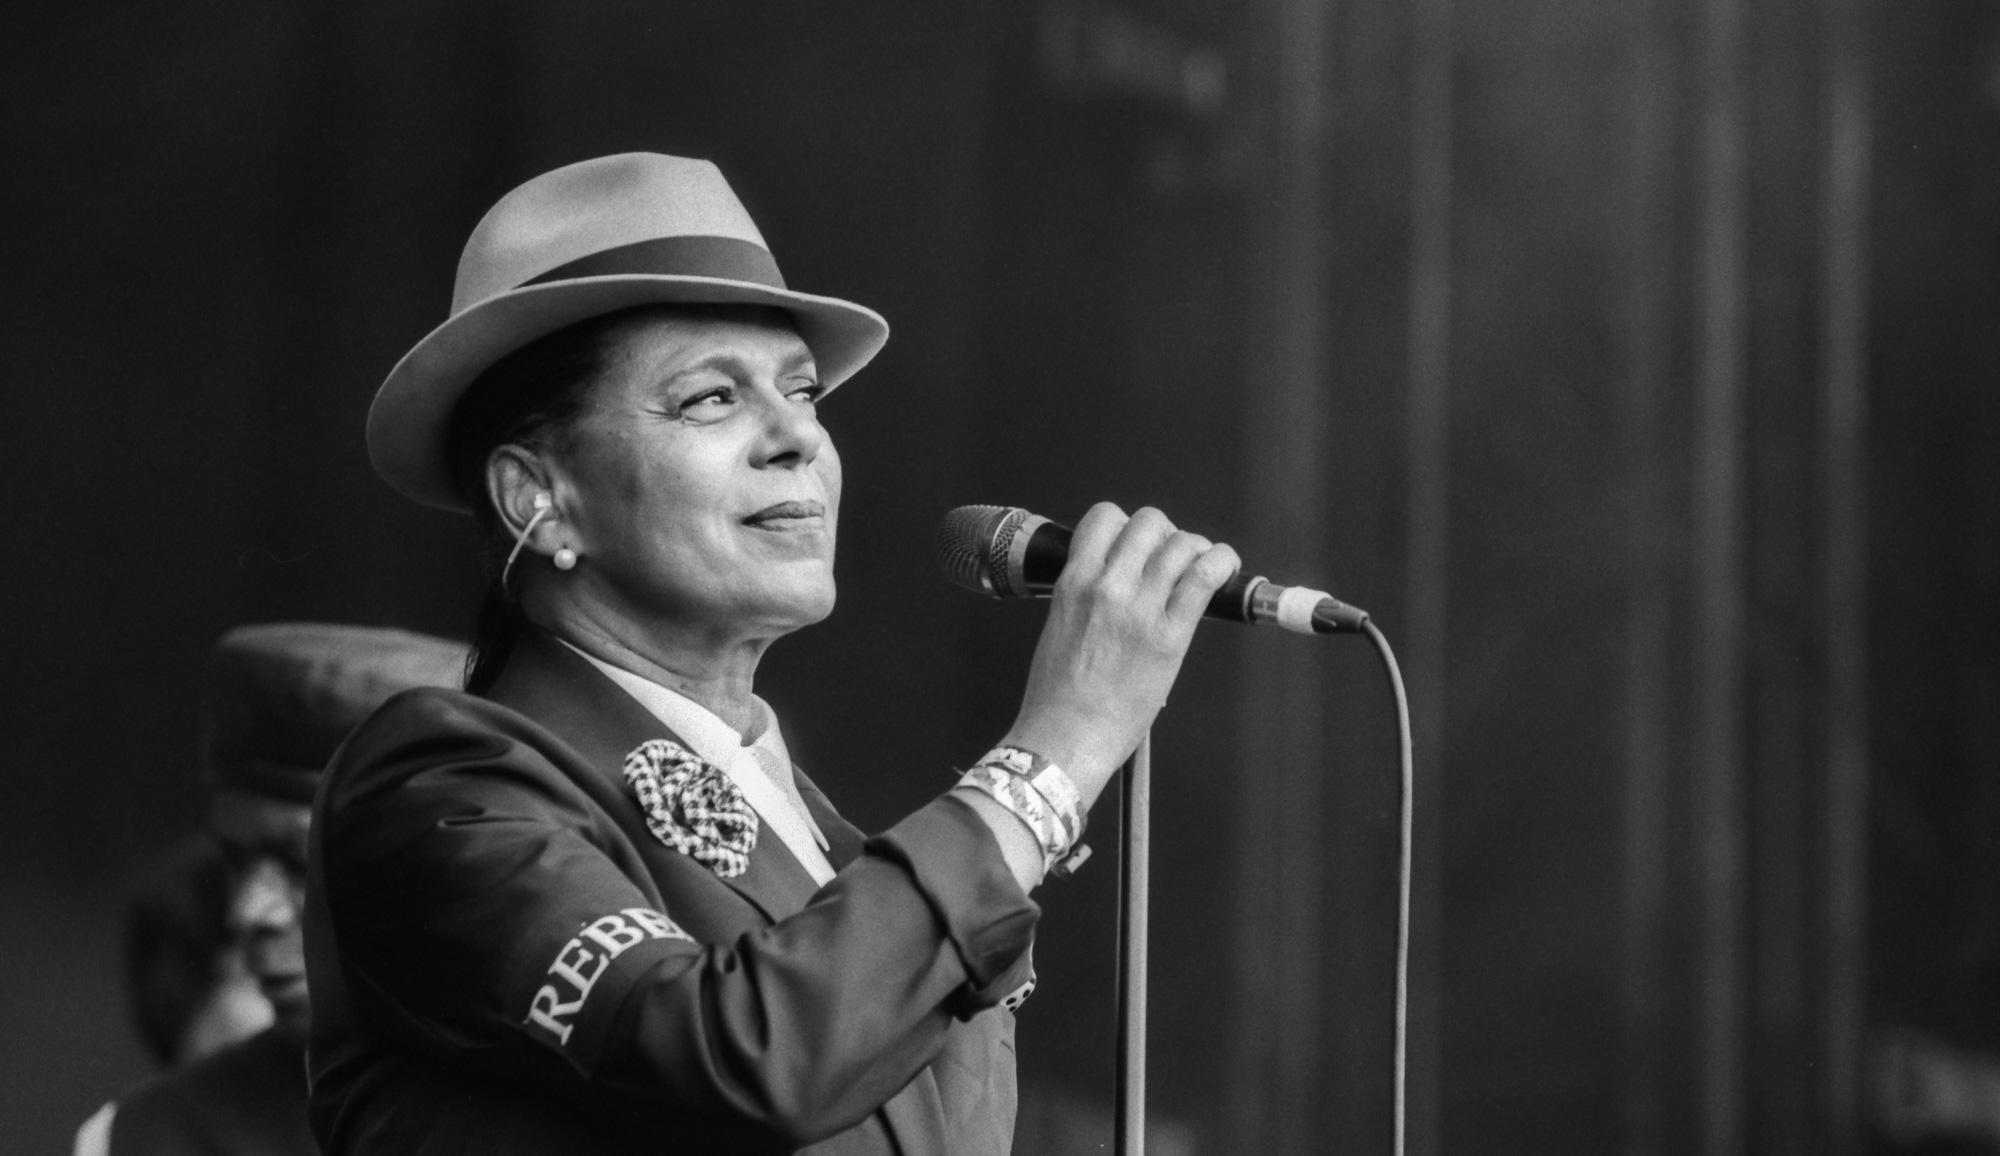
[{"x": 692, "y": 806}]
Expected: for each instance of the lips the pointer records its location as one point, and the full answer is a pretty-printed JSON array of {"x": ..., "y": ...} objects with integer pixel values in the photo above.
[{"x": 788, "y": 516}]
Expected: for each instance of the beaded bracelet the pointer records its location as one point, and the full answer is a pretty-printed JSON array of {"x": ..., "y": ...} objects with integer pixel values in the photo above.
[{"x": 1041, "y": 795}]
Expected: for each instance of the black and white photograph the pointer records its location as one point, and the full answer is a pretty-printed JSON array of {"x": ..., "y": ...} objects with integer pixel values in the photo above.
[{"x": 1055, "y": 578}]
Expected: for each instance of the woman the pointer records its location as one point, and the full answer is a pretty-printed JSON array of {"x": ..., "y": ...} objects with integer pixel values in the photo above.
[{"x": 589, "y": 905}]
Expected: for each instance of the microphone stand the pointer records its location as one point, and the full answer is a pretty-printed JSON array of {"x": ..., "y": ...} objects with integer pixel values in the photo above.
[{"x": 1134, "y": 891}]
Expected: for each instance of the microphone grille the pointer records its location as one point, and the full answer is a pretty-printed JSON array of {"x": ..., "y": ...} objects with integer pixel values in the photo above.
[{"x": 965, "y": 546}]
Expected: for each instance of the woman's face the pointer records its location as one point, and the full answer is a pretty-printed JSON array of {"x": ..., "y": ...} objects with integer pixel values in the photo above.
[{"x": 704, "y": 492}]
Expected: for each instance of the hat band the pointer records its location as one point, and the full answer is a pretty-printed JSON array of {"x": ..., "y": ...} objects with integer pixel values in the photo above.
[{"x": 723, "y": 258}]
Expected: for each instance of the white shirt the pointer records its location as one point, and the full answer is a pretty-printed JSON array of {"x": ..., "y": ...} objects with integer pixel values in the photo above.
[{"x": 761, "y": 768}]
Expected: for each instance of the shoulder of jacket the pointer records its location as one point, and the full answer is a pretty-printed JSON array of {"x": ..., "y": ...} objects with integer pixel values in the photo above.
[
  {"x": 432, "y": 714},
  {"x": 431, "y": 727}
]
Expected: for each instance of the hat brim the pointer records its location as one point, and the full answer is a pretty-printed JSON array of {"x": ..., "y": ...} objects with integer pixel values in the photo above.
[{"x": 408, "y": 421}]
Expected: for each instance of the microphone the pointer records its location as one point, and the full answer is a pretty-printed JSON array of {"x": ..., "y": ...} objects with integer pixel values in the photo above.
[{"x": 1010, "y": 553}]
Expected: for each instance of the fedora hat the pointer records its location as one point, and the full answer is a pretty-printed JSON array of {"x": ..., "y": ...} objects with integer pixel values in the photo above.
[{"x": 588, "y": 239}]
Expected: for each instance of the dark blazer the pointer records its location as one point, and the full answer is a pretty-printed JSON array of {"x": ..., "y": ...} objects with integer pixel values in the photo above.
[{"x": 503, "y": 959}]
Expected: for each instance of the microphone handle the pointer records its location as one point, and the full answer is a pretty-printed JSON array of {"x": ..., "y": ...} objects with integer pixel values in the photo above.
[{"x": 1040, "y": 548}]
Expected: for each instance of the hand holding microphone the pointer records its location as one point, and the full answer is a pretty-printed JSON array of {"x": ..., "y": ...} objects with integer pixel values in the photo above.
[
  {"x": 1009, "y": 553},
  {"x": 1124, "y": 611}
]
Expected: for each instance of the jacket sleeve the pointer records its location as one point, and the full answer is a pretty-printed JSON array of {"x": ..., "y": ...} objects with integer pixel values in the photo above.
[{"x": 482, "y": 906}]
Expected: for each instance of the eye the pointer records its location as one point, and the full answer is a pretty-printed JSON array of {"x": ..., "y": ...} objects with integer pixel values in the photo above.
[
  {"x": 709, "y": 404},
  {"x": 805, "y": 390}
]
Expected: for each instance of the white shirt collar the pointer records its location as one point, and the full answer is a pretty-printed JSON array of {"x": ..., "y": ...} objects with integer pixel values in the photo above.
[{"x": 762, "y": 769}]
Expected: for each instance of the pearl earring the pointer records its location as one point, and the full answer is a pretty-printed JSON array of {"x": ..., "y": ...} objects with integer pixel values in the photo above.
[{"x": 565, "y": 559}]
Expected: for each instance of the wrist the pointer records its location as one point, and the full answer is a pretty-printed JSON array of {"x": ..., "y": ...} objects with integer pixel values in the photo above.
[
  {"x": 1018, "y": 845},
  {"x": 1087, "y": 768},
  {"x": 1039, "y": 793}
]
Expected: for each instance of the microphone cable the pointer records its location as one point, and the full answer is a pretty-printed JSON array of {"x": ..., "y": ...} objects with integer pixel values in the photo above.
[{"x": 1405, "y": 841}]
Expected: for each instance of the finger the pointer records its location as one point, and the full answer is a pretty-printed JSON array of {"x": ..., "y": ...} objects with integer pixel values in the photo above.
[
  {"x": 1172, "y": 556},
  {"x": 1094, "y": 535},
  {"x": 1199, "y": 582},
  {"x": 1136, "y": 541}
]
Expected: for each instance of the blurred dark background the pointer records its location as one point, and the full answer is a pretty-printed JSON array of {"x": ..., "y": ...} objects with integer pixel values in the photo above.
[{"x": 1637, "y": 364}]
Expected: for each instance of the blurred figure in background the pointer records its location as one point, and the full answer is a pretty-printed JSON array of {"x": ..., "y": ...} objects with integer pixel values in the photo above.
[
  {"x": 188, "y": 989},
  {"x": 277, "y": 702}
]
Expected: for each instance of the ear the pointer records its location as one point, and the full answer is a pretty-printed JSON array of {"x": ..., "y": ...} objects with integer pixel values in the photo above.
[{"x": 520, "y": 483}]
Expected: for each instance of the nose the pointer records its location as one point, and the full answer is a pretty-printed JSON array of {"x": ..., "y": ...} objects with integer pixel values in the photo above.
[
  {"x": 793, "y": 436},
  {"x": 263, "y": 901}
]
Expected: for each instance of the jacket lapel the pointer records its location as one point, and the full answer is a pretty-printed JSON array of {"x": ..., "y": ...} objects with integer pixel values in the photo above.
[
  {"x": 549, "y": 683},
  {"x": 775, "y": 880},
  {"x": 843, "y": 838},
  {"x": 916, "y": 1115}
]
